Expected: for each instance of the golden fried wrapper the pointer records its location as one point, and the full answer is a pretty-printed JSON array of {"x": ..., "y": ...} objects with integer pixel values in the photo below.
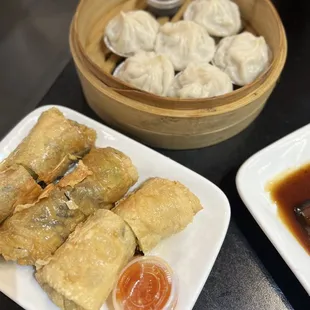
[
  {"x": 52, "y": 144},
  {"x": 16, "y": 187},
  {"x": 157, "y": 210},
  {"x": 83, "y": 271},
  {"x": 36, "y": 231},
  {"x": 112, "y": 175}
]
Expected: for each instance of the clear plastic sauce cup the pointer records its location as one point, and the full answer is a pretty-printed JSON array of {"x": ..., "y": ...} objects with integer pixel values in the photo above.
[{"x": 147, "y": 282}]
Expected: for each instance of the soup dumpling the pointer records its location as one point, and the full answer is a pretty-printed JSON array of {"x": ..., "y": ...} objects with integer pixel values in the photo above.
[
  {"x": 221, "y": 18},
  {"x": 200, "y": 81},
  {"x": 147, "y": 71},
  {"x": 243, "y": 57},
  {"x": 184, "y": 42},
  {"x": 131, "y": 32}
]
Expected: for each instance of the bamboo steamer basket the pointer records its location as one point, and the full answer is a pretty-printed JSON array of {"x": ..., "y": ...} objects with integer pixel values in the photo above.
[
  {"x": 259, "y": 17},
  {"x": 174, "y": 124}
]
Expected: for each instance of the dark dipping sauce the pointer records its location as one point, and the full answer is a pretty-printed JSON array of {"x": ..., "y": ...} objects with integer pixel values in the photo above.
[{"x": 289, "y": 192}]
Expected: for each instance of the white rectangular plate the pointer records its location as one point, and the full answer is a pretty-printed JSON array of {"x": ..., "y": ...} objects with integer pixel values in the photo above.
[
  {"x": 288, "y": 153},
  {"x": 190, "y": 253}
]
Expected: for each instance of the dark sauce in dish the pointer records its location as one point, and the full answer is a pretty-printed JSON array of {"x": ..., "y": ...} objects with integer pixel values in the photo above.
[{"x": 289, "y": 192}]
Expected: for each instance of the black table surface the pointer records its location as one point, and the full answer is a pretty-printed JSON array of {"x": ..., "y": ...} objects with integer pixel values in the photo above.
[{"x": 248, "y": 273}]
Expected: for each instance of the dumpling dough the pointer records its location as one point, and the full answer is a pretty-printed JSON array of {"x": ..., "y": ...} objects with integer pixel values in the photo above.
[
  {"x": 243, "y": 57},
  {"x": 149, "y": 72},
  {"x": 200, "y": 81},
  {"x": 221, "y": 18},
  {"x": 130, "y": 32},
  {"x": 184, "y": 42}
]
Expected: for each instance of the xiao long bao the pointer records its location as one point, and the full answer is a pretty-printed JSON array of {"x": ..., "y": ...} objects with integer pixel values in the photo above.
[
  {"x": 147, "y": 71},
  {"x": 243, "y": 57},
  {"x": 220, "y": 18},
  {"x": 184, "y": 42},
  {"x": 131, "y": 32},
  {"x": 200, "y": 81}
]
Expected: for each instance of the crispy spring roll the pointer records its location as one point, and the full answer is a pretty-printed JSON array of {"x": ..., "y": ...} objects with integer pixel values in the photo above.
[
  {"x": 51, "y": 146},
  {"x": 16, "y": 187},
  {"x": 83, "y": 271},
  {"x": 35, "y": 232},
  {"x": 157, "y": 210}
]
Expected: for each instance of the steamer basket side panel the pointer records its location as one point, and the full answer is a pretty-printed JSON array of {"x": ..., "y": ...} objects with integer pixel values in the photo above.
[
  {"x": 170, "y": 140},
  {"x": 173, "y": 123},
  {"x": 184, "y": 142}
]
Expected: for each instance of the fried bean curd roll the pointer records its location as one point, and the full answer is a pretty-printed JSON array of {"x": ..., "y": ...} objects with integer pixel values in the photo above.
[
  {"x": 157, "y": 210},
  {"x": 31, "y": 235},
  {"x": 52, "y": 144},
  {"x": 36, "y": 231},
  {"x": 112, "y": 174},
  {"x": 16, "y": 187},
  {"x": 83, "y": 271}
]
